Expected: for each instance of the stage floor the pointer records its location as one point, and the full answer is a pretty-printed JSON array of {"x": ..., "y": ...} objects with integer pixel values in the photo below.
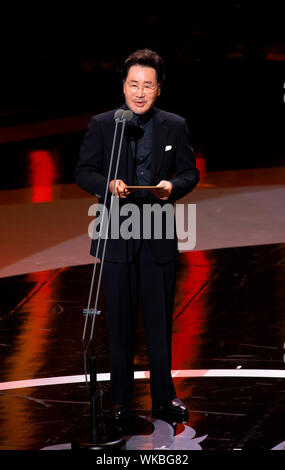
[
  {"x": 228, "y": 356},
  {"x": 228, "y": 329}
]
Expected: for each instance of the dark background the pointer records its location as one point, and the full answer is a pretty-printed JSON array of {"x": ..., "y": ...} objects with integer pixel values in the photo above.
[{"x": 224, "y": 65}]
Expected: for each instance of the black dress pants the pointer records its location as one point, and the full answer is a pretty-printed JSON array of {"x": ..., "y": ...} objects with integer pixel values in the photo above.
[{"x": 123, "y": 287}]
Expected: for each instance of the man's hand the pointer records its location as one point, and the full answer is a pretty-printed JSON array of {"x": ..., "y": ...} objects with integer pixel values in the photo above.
[
  {"x": 166, "y": 189},
  {"x": 120, "y": 188}
]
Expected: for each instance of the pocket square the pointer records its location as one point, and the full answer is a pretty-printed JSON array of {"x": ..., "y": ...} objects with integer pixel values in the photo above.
[{"x": 168, "y": 147}]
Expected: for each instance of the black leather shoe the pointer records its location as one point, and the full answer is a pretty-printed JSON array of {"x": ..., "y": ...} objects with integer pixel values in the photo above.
[{"x": 173, "y": 408}]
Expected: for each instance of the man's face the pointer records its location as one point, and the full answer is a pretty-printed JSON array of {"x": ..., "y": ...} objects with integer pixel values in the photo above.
[{"x": 141, "y": 88}]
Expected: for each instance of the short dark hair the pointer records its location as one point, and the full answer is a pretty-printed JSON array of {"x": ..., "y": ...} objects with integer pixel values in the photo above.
[{"x": 146, "y": 58}]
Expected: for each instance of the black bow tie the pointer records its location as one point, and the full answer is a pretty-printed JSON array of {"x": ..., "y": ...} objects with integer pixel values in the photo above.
[{"x": 142, "y": 119}]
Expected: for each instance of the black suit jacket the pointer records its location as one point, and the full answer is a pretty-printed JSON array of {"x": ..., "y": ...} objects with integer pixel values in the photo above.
[{"x": 172, "y": 160}]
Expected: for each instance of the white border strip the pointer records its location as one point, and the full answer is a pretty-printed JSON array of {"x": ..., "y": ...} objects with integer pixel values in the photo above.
[{"x": 145, "y": 375}]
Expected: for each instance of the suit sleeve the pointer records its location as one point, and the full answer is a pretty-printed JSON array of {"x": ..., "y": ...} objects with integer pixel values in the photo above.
[
  {"x": 88, "y": 173},
  {"x": 186, "y": 174}
]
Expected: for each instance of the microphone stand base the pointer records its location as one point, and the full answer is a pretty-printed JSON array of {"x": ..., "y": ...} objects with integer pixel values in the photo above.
[{"x": 103, "y": 444}]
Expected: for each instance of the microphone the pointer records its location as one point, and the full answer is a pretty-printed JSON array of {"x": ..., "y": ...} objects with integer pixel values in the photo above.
[
  {"x": 121, "y": 115},
  {"x": 128, "y": 115}
]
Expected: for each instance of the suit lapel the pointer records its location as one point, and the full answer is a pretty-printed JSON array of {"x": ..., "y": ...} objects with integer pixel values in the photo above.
[{"x": 159, "y": 143}]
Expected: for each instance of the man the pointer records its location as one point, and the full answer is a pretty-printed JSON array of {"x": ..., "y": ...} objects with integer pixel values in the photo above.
[{"x": 156, "y": 151}]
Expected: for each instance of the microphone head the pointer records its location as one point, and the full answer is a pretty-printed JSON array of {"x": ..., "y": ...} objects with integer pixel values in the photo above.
[
  {"x": 128, "y": 115},
  {"x": 119, "y": 114}
]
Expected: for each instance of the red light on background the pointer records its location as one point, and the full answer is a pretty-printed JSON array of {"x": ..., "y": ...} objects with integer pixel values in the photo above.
[
  {"x": 42, "y": 175},
  {"x": 201, "y": 164}
]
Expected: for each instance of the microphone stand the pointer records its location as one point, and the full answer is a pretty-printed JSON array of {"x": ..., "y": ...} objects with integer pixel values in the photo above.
[{"x": 100, "y": 437}]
